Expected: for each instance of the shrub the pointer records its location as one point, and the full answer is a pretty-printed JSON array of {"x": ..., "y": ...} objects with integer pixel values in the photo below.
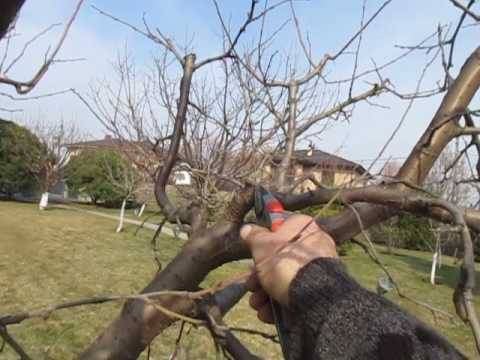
[
  {"x": 87, "y": 174},
  {"x": 405, "y": 231},
  {"x": 19, "y": 151}
]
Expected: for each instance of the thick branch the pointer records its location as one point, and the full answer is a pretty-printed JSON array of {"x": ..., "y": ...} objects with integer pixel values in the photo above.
[
  {"x": 172, "y": 155},
  {"x": 213, "y": 309},
  {"x": 443, "y": 126},
  {"x": 469, "y": 131},
  {"x": 386, "y": 195},
  {"x": 13, "y": 344},
  {"x": 137, "y": 325}
]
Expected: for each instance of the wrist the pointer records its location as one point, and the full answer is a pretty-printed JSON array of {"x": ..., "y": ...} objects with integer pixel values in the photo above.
[{"x": 293, "y": 258}]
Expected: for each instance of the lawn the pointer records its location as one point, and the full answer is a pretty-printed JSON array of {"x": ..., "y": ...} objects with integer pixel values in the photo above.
[
  {"x": 56, "y": 255},
  {"x": 151, "y": 214}
]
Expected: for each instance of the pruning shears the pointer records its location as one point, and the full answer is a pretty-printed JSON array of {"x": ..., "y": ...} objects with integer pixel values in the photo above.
[{"x": 270, "y": 213}]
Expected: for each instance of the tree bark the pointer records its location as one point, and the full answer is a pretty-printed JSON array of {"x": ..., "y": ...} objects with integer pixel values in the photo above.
[
  {"x": 163, "y": 175},
  {"x": 122, "y": 215},
  {"x": 434, "y": 267},
  {"x": 42, "y": 205},
  {"x": 142, "y": 209},
  {"x": 286, "y": 162},
  {"x": 444, "y": 125}
]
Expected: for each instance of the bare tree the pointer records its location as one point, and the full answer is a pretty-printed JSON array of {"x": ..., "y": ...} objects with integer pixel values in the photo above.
[
  {"x": 443, "y": 129},
  {"x": 49, "y": 163},
  {"x": 176, "y": 116},
  {"x": 126, "y": 180},
  {"x": 448, "y": 179}
]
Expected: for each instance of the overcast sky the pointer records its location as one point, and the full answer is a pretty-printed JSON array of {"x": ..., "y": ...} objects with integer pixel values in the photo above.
[{"x": 329, "y": 24}]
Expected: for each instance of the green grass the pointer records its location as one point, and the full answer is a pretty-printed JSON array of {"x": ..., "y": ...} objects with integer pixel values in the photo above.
[
  {"x": 56, "y": 255},
  {"x": 151, "y": 214}
]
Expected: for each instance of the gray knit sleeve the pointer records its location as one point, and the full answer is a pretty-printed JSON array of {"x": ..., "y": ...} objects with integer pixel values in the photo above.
[{"x": 333, "y": 317}]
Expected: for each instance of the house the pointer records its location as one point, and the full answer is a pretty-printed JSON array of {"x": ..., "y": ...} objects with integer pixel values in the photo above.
[
  {"x": 311, "y": 167},
  {"x": 133, "y": 149},
  {"x": 142, "y": 157}
]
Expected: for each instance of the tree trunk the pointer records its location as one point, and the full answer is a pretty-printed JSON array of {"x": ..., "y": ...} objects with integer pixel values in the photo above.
[
  {"x": 142, "y": 209},
  {"x": 286, "y": 163},
  {"x": 122, "y": 215},
  {"x": 440, "y": 257},
  {"x": 434, "y": 268},
  {"x": 455, "y": 258},
  {"x": 42, "y": 205}
]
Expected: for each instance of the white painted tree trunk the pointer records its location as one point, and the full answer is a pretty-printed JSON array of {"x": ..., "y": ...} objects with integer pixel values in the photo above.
[
  {"x": 43, "y": 201},
  {"x": 435, "y": 260},
  {"x": 122, "y": 215},
  {"x": 142, "y": 208},
  {"x": 434, "y": 268},
  {"x": 440, "y": 262}
]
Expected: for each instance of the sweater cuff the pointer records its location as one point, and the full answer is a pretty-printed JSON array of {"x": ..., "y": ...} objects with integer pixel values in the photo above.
[{"x": 323, "y": 280}]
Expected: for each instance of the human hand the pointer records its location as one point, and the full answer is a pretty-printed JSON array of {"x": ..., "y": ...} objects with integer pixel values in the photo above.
[{"x": 279, "y": 256}]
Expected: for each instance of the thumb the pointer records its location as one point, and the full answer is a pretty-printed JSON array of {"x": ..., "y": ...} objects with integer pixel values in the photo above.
[{"x": 250, "y": 233}]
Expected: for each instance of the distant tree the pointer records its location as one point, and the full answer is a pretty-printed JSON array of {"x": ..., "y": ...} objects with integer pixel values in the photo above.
[
  {"x": 49, "y": 166},
  {"x": 125, "y": 179},
  {"x": 97, "y": 174},
  {"x": 19, "y": 149},
  {"x": 450, "y": 178}
]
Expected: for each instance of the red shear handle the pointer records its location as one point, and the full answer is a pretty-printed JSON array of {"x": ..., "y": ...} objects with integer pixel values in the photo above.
[{"x": 277, "y": 213}]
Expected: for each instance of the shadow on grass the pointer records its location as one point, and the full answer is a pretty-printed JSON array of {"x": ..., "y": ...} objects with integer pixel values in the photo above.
[{"x": 446, "y": 275}]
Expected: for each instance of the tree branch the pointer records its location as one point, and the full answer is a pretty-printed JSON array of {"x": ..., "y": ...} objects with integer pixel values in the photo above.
[
  {"x": 13, "y": 344},
  {"x": 172, "y": 154},
  {"x": 465, "y": 9},
  {"x": 24, "y": 87}
]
